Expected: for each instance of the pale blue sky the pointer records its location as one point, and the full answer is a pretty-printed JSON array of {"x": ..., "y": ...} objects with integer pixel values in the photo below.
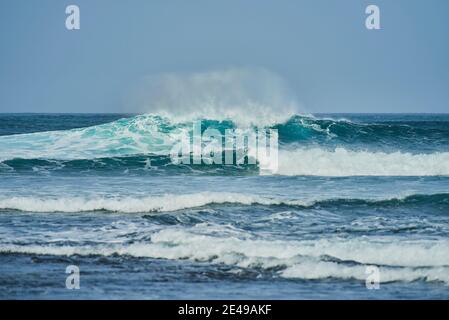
[{"x": 321, "y": 48}]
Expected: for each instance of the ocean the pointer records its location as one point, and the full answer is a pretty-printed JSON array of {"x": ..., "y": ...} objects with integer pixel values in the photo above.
[{"x": 358, "y": 209}]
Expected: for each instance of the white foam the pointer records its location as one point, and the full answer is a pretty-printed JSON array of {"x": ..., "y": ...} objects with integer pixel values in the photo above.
[
  {"x": 168, "y": 202},
  {"x": 165, "y": 202},
  {"x": 398, "y": 260},
  {"x": 138, "y": 135},
  {"x": 342, "y": 162},
  {"x": 323, "y": 270},
  {"x": 142, "y": 135}
]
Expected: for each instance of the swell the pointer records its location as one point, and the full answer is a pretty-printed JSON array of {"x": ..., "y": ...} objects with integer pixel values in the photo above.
[
  {"x": 406, "y": 134},
  {"x": 406, "y": 261},
  {"x": 145, "y": 132},
  {"x": 176, "y": 202},
  {"x": 128, "y": 165}
]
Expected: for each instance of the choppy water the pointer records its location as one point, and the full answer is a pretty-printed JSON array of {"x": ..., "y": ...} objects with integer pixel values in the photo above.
[{"x": 100, "y": 192}]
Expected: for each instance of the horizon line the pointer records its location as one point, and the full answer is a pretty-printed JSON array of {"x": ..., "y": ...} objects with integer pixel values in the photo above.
[{"x": 137, "y": 113}]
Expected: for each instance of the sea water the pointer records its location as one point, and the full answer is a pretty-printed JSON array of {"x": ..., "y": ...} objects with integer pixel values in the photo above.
[{"x": 99, "y": 191}]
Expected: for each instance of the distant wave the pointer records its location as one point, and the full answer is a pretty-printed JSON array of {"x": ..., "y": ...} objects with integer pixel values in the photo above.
[
  {"x": 174, "y": 202},
  {"x": 405, "y": 261}
]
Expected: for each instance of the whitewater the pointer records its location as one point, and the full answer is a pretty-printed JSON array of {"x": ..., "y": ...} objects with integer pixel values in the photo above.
[
  {"x": 100, "y": 191},
  {"x": 309, "y": 146}
]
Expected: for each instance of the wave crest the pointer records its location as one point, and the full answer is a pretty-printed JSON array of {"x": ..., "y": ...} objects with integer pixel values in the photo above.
[
  {"x": 175, "y": 202},
  {"x": 151, "y": 135},
  {"x": 425, "y": 260}
]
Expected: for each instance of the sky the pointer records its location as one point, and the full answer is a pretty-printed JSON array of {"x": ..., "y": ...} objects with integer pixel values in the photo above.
[{"x": 320, "y": 48}]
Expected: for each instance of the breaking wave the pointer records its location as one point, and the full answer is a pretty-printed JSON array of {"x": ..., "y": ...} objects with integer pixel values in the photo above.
[
  {"x": 405, "y": 261},
  {"x": 308, "y": 146},
  {"x": 175, "y": 202}
]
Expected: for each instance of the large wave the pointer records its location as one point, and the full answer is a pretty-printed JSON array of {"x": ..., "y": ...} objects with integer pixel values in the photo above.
[{"x": 308, "y": 146}]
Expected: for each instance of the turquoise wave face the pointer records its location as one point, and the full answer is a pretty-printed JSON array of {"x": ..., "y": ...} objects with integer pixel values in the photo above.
[
  {"x": 419, "y": 131},
  {"x": 127, "y": 136},
  {"x": 143, "y": 142}
]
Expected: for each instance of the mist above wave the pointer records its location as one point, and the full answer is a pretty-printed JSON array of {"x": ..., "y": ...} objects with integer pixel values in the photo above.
[{"x": 245, "y": 96}]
